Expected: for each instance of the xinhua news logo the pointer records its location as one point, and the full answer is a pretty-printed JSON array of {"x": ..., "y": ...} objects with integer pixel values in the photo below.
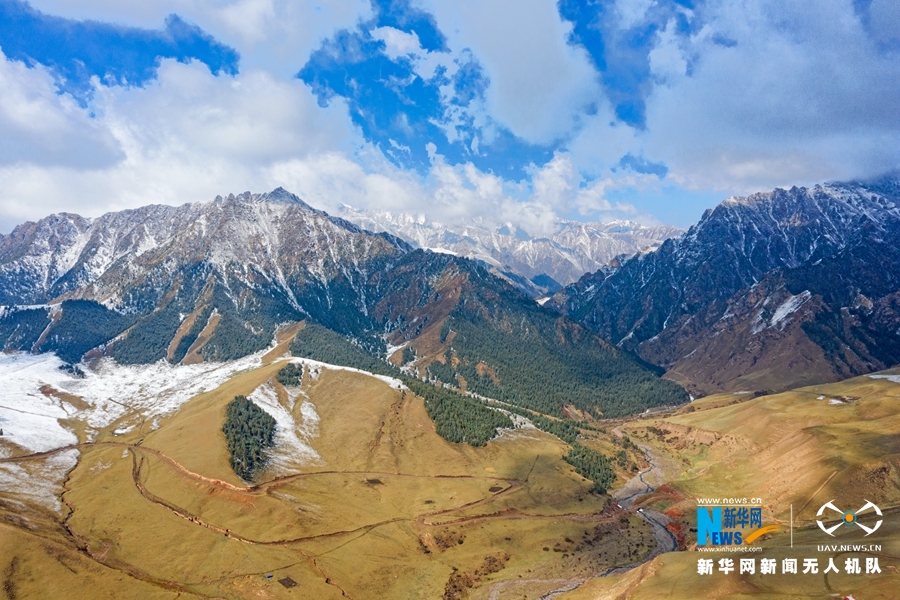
[
  {"x": 730, "y": 525},
  {"x": 849, "y": 518}
]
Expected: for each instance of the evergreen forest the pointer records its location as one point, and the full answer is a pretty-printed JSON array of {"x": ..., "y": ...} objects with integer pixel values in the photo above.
[
  {"x": 249, "y": 432},
  {"x": 592, "y": 465}
]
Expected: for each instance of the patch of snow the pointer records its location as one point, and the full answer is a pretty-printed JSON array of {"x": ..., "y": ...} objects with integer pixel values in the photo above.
[
  {"x": 542, "y": 301},
  {"x": 758, "y": 324},
  {"x": 318, "y": 366},
  {"x": 39, "y": 481},
  {"x": 111, "y": 390},
  {"x": 519, "y": 422},
  {"x": 789, "y": 306},
  {"x": 290, "y": 450},
  {"x": 391, "y": 349},
  {"x": 309, "y": 426},
  {"x": 835, "y": 401},
  {"x": 114, "y": 390},
  {"x": 439, "y": 250},
  {"x": 894, "y": 378},
  {"x": 30, "y": 419}
]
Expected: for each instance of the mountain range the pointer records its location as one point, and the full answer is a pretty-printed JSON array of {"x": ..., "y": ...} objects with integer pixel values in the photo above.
[
  {"x": 212, "y": 281},
  {"x": 766, "y": 292},
  {"x": 547, "y": 262}
]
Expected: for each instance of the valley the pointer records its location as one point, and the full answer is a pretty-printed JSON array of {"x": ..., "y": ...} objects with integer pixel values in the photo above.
[
  {"x": 362, "y": 499},
  {"x": 795, "y": 450},
  {"x": 408, "y": 423}
]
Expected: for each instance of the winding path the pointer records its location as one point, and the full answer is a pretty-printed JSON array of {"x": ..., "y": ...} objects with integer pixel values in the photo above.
[{"x": 140, "y": 453}]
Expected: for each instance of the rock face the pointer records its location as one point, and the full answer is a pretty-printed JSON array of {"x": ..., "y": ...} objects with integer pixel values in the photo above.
[
  {"x": 575, "y": 249},
  {"x": 232, "y": 269},
  {"x": 766, "y": 292}
]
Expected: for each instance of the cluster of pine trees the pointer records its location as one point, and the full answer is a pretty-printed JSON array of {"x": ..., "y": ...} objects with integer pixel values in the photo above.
[
  {"x": 246, "y": 324},
  {"x": 593, "y": 465},
  {"x": 457, "y": 418},
  {"x": 21, "y": 328},
  {"x": 544, "y": 366},
  {"x": 291, "y": 375},
  {"x": 82, "y": 325},
  {"x": 249, "y": 431},
  {"x": 319, "y": 343}
]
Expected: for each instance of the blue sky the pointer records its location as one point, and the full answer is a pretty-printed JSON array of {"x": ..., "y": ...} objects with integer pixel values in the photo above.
[{"x": 525, "y": 111}]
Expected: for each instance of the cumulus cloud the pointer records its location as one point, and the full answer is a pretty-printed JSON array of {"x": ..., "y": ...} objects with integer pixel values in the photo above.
[
  {"x": 540, "y": 85},
  {"x": 632, "y": 12},
  {"x": 276, "y": 34},
  {"x": 190, "y": 135},
  {"x": 184, "y": 137},
  {"x": 796, "y": 96},
  {"x": 731, "y": 96},
  {"x": 38, "y": 125}
]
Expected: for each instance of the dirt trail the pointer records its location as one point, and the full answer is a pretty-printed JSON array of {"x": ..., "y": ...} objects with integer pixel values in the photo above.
[{"x": 139, "y": 453}]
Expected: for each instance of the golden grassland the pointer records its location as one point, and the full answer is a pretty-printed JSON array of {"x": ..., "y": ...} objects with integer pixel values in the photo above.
[{"x": 390, "y": 511}]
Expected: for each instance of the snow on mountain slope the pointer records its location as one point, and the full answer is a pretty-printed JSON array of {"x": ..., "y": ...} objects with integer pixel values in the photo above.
[
  {"x": 803, "y": 273},
  {"x": 267, "y": 235},
  {"x": 241, "y": 264},
  {"x": 576, "y": 248}
]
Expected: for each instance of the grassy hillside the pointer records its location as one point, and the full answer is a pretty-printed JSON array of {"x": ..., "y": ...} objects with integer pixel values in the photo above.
[
  {"x": 385, "y": 508},
  {"x": 800, "y": 449},
  {"x": 457, "y": 418}
]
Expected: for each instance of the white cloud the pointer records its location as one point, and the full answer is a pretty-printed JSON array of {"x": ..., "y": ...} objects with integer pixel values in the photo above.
[
  {"x": 190, "y": 135},
  {"x": 667, "y": 59},
  {"x": 803, "y": 96},
  {"x": 277, "y": 35},
  {"x": 36, "y": 124},
  {"x": 796, "y": 96},
  {"x": 398, "y": 43},
  {"x": 185, "y": 137},
  {"x": 540, "y": 85},
  {"x": 632, "y": 12}
]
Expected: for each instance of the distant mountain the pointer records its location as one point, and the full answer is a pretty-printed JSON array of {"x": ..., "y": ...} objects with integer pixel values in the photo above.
[
  {"x": 548, "y": 262},
  {"x": 213, "y": 280},
  {"x": 769, "y": 291}
]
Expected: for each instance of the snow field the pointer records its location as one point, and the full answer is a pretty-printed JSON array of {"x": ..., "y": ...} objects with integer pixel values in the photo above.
[
  {"x": 290, "y": 447},
  {"x": 39, "y": 481}
]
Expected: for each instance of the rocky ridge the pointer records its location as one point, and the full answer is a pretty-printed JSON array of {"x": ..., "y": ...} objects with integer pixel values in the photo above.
[
  {"x": 766, "y": 292},
  {"x": 573, "y": 250}
]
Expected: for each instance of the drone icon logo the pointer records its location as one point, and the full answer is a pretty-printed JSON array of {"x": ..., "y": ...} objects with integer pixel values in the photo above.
[{"x": 849, "y": 518}]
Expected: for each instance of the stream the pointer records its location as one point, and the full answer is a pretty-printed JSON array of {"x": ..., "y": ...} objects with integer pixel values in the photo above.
[{"x": 636, "y": 488}]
